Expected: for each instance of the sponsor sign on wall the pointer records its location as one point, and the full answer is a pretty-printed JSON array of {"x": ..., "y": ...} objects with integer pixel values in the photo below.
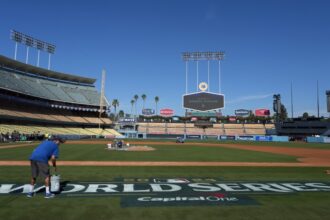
[
  {"x": 227, "y": 137},
  {"x": 264, "y": 138},
  {"x": 166, "y": 112},
  {"x": 245, "y": 138}
]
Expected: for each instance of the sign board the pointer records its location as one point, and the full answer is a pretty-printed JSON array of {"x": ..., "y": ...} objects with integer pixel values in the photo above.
[
  {"x": 166, "y": 112},
  {"x": 262, "y": 112},
  {"x": 242, "y": 112},
  {"x": 232, "y": 119},
  {"x": 127, "y": 120},
  {"x": 148, "y": 111},
  {"x": 203, "y": 114},
  {"x": 203, "y": 101},
  {"x": 193, "y": 119}
]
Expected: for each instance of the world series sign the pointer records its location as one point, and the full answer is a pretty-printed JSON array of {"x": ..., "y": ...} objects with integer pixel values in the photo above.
[{"x": 146, "y": 192}]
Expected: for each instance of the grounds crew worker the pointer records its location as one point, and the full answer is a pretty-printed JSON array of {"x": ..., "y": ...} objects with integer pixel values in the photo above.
[{"x": 47, "y": 150}]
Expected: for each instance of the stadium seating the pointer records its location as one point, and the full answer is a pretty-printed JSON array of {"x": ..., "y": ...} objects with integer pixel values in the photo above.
[
  {"x": 190, "y": 129},
  {"x": 254, "y": 129},
  {"x": 48, "y": 89},
  {"x": 57, "y": 130},
  {"x": 214, "y": 131},
  {"x": 156, "y": 130},
  {"x": 233, "y": 126},
  {"x": 194, "y": 131},
  {"x": 256, "y": 126},
  {"x": 269, "y": 126},
  {"x": 231, "y": 131}
]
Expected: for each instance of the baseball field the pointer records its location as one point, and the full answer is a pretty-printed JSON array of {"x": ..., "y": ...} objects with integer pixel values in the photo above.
[{"x": 159, "y": 179}]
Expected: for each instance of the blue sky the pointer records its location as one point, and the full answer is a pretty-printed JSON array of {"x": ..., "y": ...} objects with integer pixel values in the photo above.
[{"x": 268, "y": 44}]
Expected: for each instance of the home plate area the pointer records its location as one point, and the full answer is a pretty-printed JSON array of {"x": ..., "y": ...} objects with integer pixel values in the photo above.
[{"x": 121, "y": 146}]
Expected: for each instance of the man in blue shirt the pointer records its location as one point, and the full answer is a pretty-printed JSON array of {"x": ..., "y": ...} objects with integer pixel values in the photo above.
[{"x": 47, "y": 150}]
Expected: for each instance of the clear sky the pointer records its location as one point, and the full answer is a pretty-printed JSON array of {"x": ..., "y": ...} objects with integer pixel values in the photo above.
[{"x": 268, "y": 44}]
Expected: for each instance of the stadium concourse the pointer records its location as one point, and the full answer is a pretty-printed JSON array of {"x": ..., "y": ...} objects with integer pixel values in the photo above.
[{"x": 36, "y": 102}]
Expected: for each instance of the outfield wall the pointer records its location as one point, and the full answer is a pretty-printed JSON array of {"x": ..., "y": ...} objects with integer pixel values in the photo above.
[{"x": 318, "y": 139}]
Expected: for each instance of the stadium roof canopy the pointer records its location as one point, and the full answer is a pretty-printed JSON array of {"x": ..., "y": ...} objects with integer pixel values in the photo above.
[{"x": 13, "y": 64}]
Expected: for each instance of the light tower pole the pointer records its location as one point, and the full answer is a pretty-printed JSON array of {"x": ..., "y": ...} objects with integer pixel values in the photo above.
[{"x": 102, "y": 96}]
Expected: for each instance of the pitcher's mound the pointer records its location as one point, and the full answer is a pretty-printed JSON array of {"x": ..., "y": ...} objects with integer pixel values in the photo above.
[{"x": 140, "y": 148}]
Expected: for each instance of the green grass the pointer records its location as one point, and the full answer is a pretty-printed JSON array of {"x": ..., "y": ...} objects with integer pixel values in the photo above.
[
  {"x": 85, "y": 173},
  {"x": 314, "y": 205},
  {"x": 169, "y": 152}
]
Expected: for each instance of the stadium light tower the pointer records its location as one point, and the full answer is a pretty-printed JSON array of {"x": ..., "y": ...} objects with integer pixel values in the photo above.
[
  {"x": 50, "y": 50},
  {"x": 208, "y": 56},
  {"x": 29, "y": 41},
  {"x": 18, "y": 38},
  {"x": 186, "y": 57},
  {"x": 219, "y": 56},
  {"x": 198, "y": 56},
  {"x": 102, "y": 96}
]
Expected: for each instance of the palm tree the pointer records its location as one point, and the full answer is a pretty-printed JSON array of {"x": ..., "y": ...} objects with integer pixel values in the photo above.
[
  {"x": 121, "y": 113},
  {"x": 144, "y": 96},
  {"x": 136, "y": 97},
  {"x": 132, "y": 103},
  {"x": 115, "y": 104},
  {"x": 156, "y": 101}
]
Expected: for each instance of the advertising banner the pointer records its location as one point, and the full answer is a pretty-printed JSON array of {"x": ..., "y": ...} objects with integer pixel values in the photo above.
[
  {"x": 148, "y": 111},
  {"x": 232, "y": 119},
  {"x": 126, "y": 120},
  {"x": 262, "y": 112},
  {"x": 166, "y": 112},
  {"x": 227, "y": 137},
  {"x": 242, "y": 112},
  {"x": 245, "y": 138},
  {"x": 264, "y": 138}
]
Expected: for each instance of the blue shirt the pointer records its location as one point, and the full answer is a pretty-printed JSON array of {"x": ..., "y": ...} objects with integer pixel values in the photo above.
[{"x": 45, "y": 151}]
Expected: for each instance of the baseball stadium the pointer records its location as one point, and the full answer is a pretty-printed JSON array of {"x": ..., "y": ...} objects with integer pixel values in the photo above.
[
  {"x": 155, "y": 164},
  {"x": 230, "y": 169}
]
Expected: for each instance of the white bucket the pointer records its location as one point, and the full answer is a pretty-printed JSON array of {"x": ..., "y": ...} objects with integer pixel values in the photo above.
[{"x": 55, "y": 181}]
